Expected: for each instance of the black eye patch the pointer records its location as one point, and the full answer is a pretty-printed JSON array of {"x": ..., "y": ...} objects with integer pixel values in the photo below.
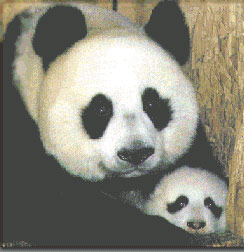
[
  {"x": 157, "y": 109},
  {"x": 176, "y": 206},
  {"x": 96, "y": 116},
  {"x": 209, "y": 203}
]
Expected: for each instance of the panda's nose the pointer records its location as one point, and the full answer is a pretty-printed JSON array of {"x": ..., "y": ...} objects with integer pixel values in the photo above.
[
  {"x": 135, "y": 156},
  {"x": 196, "y": 225}
]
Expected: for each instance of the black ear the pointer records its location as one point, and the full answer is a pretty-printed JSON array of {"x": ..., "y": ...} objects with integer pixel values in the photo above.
[
  {"x": 57, "y": 30},
  {"x": 168, "y": 28}
]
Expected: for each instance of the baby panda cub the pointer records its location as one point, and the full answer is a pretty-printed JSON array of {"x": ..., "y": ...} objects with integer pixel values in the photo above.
[{"x": 191, "y": 198}]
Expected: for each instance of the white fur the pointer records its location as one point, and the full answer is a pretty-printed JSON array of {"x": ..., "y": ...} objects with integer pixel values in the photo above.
[
  {"x": 28, "y": 67},
  {"x": 196, "y": 185},
  {"x": 118, "y": 60}
]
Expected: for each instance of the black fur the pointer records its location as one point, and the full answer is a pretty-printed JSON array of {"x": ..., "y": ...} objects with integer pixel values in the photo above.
[
  {"x": 181, "y": 202},
  {"x": 210, "y": 204},
  {"x": 96, "y": 116},
  {"x": 157, "y": 108},
  {"x": 167, "y": 27},
  {"x": 57, "y": 30},
  {"x": 45, "y": 206}
]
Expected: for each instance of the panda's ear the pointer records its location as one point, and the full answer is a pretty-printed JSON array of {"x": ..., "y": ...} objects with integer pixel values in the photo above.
[
  {"x": 168, "y": 28},
  {"x": 57, "y": 30}
]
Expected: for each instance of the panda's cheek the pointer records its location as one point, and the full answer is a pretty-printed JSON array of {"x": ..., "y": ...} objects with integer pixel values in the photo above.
[
  {"x": 210, "y": 221},
  {"x": 152, "y": 162},
  {"x": 107, "y": 149}
]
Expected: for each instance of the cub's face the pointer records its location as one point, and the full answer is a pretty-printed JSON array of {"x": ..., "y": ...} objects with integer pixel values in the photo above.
[
  {"x": 116, "y": 106},
  {"x": 196, "y": 215},
  {"x": 192, "y": 199}
]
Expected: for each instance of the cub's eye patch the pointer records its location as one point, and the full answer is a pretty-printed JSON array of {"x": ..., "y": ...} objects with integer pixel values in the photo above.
[
  {"x": 96, "y": 116},
  {"x": 179, "y": 203},
  {"x": 210, "y": 204},
  {"x": 157, "y": 109}
]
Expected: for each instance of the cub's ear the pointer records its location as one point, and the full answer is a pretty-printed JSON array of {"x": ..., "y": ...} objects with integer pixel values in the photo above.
[
  {"x": 167, "y": 27},
  {"x": 57, "y": 30}
]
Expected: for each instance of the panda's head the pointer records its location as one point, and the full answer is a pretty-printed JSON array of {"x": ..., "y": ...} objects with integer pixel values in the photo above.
[
  {"x": 113, "y": 101},
  {"x": 192, "y": 199}
]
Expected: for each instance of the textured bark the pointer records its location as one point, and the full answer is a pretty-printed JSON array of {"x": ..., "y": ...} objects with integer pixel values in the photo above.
[
  {"x": 217, "y": 70},
  {"x": 235, "y": 212}
]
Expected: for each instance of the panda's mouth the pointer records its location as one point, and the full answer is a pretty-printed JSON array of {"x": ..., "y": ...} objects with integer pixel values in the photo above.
[
  {"x": 134, "y": 173},
  {"x": 130, "y": 173},
  {"x": 125, "y": 172}
]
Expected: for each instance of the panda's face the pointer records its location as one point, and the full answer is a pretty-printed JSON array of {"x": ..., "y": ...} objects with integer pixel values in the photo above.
[
  {"x": 201, "y": 215},
  {"x": 116, "y": 106},
  {"x": 191, "y": 199}
]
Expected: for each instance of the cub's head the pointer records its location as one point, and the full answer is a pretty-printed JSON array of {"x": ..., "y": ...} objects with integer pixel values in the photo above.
[{"x": 192, "y": 199}]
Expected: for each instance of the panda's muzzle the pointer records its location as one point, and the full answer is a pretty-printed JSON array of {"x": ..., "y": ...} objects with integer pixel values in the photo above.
[{"x": 135, "y": 156}]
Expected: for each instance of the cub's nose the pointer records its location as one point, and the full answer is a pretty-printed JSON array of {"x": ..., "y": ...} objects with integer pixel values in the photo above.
[
  {"x": 135, "y": 156},
  {"x": 196, "y": 225}
]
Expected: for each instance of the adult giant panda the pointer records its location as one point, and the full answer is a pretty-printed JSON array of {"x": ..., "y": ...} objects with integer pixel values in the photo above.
[{"x": 110, "y": 104}]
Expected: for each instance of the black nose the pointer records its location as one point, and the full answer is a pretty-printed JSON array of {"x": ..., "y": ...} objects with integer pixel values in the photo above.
[
  {"x": 196, "y": 225},
  {"x": 135, "y": 156}
]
